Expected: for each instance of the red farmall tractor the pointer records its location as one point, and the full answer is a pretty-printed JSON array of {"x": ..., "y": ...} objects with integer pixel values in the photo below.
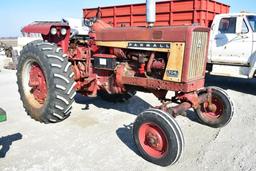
[{"x": 115, "y": 63}]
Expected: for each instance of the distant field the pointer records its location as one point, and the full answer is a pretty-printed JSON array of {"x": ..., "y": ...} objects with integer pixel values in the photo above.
[{"x": 10, "y": 42}]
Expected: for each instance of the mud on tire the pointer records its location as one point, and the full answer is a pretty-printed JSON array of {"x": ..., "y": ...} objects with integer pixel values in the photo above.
[{"x": 59, "y": 83}]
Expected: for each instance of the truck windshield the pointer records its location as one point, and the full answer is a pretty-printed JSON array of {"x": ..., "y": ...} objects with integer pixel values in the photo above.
[{"x": 252, "y": 21}]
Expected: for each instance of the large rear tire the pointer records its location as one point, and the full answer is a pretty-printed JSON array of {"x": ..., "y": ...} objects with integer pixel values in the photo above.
[
  {"x": 45, "y": 81},
  {"x": 158, "y": 137}
]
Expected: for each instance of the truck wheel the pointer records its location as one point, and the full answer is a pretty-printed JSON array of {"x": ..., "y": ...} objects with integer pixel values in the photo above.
[
  {"x": 45, "y": 82},
  {"x": 116, "y": 98},
  {"x": 220, "y": 113},
  {"x": 158, "y": 137}
]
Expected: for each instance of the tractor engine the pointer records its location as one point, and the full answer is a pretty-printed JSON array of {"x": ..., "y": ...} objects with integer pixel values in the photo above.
[{"x": 115, "y": 60}]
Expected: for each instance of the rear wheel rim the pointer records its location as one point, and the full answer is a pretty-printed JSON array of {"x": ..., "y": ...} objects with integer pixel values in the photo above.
[
  {"x": 34, "y": 83},
  {"x": 153, "y": 140}
]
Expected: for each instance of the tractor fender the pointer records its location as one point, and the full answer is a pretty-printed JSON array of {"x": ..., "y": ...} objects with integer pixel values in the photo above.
[{"x": 43, "y": 28}]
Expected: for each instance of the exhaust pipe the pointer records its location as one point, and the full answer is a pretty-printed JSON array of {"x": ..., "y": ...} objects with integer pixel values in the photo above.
[{"x": 151, "y": 12}]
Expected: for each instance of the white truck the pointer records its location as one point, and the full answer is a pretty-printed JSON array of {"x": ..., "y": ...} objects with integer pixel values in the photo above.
[{"x": 232, "y": 48}]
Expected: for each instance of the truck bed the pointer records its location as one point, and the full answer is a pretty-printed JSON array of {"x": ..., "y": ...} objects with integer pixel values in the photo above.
[{"x": 169, "y": 12}]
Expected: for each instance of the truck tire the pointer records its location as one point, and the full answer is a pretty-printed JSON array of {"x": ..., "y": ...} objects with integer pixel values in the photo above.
[
  {"x": 44, "y": 78},
  {"x": 223, "y": 113},
  {"x": 116, "y": 98},
  {"x": 158, "y": 137}
]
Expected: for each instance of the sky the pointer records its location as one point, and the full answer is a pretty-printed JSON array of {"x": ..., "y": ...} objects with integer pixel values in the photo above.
[{"x": 17, "y": 13}]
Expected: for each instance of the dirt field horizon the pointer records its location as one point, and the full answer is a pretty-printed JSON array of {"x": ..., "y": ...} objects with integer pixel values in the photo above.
[{"x": 11, "y": 41}]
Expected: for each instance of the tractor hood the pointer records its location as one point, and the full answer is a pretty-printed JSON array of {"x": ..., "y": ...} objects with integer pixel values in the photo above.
[{"x": 160, "y": 34}]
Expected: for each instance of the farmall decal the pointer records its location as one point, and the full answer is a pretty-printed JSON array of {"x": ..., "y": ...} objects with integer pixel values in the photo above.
[{"x": 149, "y": 45}]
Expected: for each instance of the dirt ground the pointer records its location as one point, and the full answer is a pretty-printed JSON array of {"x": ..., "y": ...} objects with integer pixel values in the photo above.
[
  {"x": 100, "y": 138},
  {"x": 9, "y": 41}
]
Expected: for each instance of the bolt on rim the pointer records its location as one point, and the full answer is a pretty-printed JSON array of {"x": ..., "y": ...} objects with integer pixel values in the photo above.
[{"x": 153, "y": 140}]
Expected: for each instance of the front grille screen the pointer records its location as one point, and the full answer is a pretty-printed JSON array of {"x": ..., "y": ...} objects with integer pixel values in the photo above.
[{"x": 198, "y": 53}]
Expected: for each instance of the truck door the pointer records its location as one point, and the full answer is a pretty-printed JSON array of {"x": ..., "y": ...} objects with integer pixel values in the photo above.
[
  {"x": 231, "y": 42},
  {"x": 252, "y": 22}
]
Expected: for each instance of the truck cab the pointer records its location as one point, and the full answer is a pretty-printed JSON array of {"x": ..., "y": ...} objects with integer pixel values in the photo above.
[{"x": 232, "y": 48}]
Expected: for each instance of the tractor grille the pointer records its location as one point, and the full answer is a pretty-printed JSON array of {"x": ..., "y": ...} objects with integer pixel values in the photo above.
[{"x": 198, "y": 55}]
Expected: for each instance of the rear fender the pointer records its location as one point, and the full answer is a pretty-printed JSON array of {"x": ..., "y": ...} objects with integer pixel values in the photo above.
[{"x": 44, "y": 28}]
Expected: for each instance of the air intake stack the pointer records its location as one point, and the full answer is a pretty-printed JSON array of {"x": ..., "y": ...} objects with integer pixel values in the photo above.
[{"x": 151, "y": 12}]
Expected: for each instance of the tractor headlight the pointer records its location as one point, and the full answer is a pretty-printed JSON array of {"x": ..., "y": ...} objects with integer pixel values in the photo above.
[
  {"x": 63, "y": 31},
  {"x": 53, "y": 31}
]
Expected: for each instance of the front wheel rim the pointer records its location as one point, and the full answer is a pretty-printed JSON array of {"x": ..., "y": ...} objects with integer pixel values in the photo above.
[{"x": 153, "y": 140}]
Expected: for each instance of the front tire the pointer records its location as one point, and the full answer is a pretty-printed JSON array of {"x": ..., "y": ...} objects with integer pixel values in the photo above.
[
  {"x": 45, "y": 82},
  {"x": 222, "y": 111},
  {"x": 158, "y": 137}
]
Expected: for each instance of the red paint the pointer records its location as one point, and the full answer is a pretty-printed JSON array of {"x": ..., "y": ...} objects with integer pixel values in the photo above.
[
  {"x": 153, "y": 140},
  {"x": 188, "y": 100},
  {"x": 149, "y": 83},
  {"x": 104, "y": 56},
  {"x": 174, "y": 12},
  {"x": 158, "y": 64},
  {"x": 142, "y": 69},
  {"x": 44, "y": 28},
  {"x": 212, "y": 110},
  {"x": 176, "y": 33},
  {"x": 168, "y": 34},
  {"x": 38, "y": 83},
  {"x": 61, "y": 40},
  {"x": 77, "y": 73},
  {"x": 100, "y": 25},
  {"x": 189, "y": 97},
  {"x": 39, "y": 27},
  {"x": 150, "y": 62}
]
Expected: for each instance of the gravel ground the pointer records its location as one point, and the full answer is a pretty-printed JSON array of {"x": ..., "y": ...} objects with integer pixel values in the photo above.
[{"x": 100, "y": 138}]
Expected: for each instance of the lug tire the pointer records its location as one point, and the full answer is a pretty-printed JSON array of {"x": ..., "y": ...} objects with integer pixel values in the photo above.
[
  {"x": 58, "y": 77},
  {"x": 225, "y": 114},
  {"x": 167, "y": 129}
]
